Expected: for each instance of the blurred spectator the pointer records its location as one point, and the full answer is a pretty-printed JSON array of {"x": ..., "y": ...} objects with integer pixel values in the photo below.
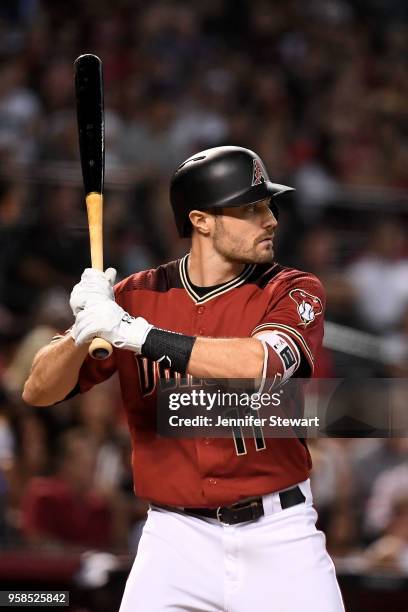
[
  {"x": 380, "y": 457},
  {"x": 313, "y": 182},
  {"x": 395, "y": 350},
  {"x": 52, "y": 316},
  {"x": 3, "y": 506},
  {"x": 52, "y": 252},
  {"x": 7, "y": 442},
  {"x": 20, "y": 112},
  {"x": 380, "y": 278},
  {"x": 59, "y": 140},
  {"x": 7, "y": 450},
  {"x": 101, "y": 416},
  {"x": 98, "y": 415},
  {"x": 200, "y": 126},
  {"x": 390, "y": 551},
  {"x": 13, "y": 213},
  {"x": 332, "y": 492},
  {"x": 389, "y": 486},
  {"x": 65, "y": 508},
  {"x": 148, "y": 141},
  {"x": 30, "y": 459}
]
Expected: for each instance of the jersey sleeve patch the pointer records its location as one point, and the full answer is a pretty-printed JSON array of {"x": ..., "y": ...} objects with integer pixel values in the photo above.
[
  {"x": 296, "y": 309},
  {"x": 282, "y": 357},
  {"x": 308, "y": 306}
]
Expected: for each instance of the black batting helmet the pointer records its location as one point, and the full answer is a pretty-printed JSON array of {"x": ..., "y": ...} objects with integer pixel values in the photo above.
[{"x": 218, "y": 177}]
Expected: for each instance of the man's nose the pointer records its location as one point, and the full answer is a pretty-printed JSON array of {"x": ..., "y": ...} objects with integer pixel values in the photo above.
[{"x": 269, "y": 220}]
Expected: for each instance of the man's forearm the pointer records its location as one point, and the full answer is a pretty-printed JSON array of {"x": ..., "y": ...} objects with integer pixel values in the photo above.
[
  {"x": 201, "y": 357},
  {"x": 54, "y": 372},
  {"x": 226, "y": 358}
]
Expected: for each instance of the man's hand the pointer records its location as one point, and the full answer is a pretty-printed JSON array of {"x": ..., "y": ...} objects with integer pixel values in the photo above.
[
  {"x": 106, "y": 319},
  {"x": 95, "y": 287}
]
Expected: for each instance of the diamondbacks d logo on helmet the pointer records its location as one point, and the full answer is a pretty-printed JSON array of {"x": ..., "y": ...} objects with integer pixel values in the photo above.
[
  {"x": 257, "y": 176},
  {"x": 308, "y": 306}
]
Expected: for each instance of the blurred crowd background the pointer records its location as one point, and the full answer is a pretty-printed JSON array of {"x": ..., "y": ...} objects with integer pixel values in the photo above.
[{"x": 319, "y": 89}]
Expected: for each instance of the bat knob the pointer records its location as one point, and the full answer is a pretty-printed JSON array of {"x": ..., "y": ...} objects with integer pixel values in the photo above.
[{"x": 100, "y": 349}]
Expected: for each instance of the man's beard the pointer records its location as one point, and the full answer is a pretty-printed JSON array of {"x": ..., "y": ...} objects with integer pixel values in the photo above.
[
  {"x": 250, "y": 258},
  {"x": 234, "y": 252}
]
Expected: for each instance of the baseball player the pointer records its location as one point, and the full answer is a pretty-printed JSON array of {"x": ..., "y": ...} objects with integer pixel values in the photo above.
[{"x": 230, "y": 527}]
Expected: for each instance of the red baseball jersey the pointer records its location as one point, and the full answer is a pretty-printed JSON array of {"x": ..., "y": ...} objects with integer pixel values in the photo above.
[{"x": 284, "y": 308}]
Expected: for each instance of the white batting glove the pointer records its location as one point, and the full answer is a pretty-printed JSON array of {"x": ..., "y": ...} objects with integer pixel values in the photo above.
[
  {"x": 95, "y": 286},
  {"x": 108, "y": 320}
]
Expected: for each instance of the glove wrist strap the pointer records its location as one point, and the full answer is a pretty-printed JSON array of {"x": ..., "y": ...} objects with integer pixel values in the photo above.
[{"x": 132, "y": 333}]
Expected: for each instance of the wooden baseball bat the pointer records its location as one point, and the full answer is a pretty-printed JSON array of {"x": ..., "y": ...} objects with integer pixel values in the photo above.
[{"x": 91, "y": 130}]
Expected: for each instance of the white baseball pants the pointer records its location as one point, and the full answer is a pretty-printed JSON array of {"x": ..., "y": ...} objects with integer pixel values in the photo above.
[{"x": 278, "y": 563}]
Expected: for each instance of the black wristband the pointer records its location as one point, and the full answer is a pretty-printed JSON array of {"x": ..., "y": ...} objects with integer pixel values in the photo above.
[{"x": 176, "y": 347}]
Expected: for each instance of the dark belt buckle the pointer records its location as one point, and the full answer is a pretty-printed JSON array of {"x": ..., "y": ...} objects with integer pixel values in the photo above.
[
  {"x": 257, "y": 510},
  {"x": 219, "y": 514},
  {"x": 240, "y": 514}
]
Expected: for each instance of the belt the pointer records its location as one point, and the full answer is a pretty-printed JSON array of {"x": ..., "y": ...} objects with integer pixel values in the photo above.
[{"x": 241, "y": 512}]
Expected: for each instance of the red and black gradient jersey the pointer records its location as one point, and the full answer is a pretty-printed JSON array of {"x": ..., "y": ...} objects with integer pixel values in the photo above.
[{"x": 274, "y": 303}]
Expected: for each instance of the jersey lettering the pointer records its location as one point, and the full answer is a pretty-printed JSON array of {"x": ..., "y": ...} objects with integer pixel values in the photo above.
[{"x": 146, "y": 375}]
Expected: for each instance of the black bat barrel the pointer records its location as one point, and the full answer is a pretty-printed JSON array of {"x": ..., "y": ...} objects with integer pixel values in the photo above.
[{"x": 90, "y": 114}]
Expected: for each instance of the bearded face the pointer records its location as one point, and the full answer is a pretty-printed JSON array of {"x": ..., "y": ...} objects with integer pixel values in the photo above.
[{"x": 245, "y": 234}]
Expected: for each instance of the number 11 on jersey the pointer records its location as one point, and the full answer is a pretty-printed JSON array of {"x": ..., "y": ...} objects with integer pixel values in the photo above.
[{"x": 239, "y": 440}]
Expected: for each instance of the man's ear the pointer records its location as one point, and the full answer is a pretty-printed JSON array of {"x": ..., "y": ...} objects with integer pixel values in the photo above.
[{"x": 202, "y": 221}]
